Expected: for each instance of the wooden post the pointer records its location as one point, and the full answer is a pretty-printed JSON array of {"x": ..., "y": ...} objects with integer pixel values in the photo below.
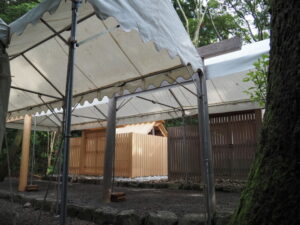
[
  {"x": 109, "y": 149},
  {"x": 25, "y": 153}
]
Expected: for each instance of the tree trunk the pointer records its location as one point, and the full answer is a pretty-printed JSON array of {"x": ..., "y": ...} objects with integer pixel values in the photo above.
[
  {"x": 272, "y": 195},
  {"x": 13, "y": 155}
]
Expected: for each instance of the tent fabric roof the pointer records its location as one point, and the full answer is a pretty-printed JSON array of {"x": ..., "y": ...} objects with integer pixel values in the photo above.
[
  {"x": 225, "y": 94},
  {"x": 141, "y": 128},
  {"x": 140, "y": 44}
]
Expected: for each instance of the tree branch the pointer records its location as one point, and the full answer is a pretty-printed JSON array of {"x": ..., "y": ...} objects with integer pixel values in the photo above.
[
  {"x": 184, "y": 16},
  {"x": 200, "y": 19},
  {"x": 215, "y": 29},
  {"x": 241, "y": 15}
]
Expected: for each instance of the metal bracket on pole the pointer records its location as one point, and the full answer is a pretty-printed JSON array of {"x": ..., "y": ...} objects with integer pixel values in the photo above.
[
  {"x": 204, "y": 131},
  {"x": 68, "y": 112}
]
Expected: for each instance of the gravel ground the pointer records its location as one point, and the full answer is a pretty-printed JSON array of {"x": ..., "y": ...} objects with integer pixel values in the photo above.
[
  {"x": 142, "y": 200},
  {"x": 16, "y": 214}
]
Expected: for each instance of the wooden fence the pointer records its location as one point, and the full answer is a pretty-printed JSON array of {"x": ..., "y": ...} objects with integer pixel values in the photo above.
[
  {"x": 136, "y": 154},
  {"x": 234, "y": 138}
]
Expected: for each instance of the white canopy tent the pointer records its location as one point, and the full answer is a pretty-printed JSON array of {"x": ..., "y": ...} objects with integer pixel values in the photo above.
[
  {"x": 225, "y": 94},
  {"x": 131, "y": 51},
  {"x": 133, "y": 45}
]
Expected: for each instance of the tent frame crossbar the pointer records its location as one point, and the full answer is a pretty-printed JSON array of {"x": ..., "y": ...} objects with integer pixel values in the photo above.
[
  {"x": 190, "y": 81},
  {"x": 157, "y": 102},
  {"x": 86, "y": 117},
  {"x": 42, "y": 75},
  {"x": 51, "y": 36},
  {"x": 120, "y": 84},
  {"x": 177, "y": 100},
  {"x": 123, "y": 103},
  {"x": 35, "y": 92},
  {"x": 54, "y": 31},
  {"x": 51, "y": 110},
  {"x": 102, "y": 113}
]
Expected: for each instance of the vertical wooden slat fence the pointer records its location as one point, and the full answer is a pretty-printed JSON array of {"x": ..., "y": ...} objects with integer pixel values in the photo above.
[
  {"x": 234, "y": 138},
  {"x": 74, "y": 164},
  {"x": 136, "y": 154},
  {"x": 184, "y": 161},
  {"x": 149, "y": 155}
]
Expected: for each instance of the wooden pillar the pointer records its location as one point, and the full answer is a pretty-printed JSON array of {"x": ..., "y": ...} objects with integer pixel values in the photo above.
[
  {"x": 109, "y": 149},
  {"x": 25, "y": 153}
]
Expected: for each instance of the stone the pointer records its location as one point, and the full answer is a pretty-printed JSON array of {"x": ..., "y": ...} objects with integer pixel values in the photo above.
[
  {"x": 27, "y": 205},
  {"x": 85, "y": 213},
  {"x": 173, "y": 186},
  {"x": 192, "y": 219},
  {"x": 38, "y": 203},
  {"x": 128, "y": 217},
  {"x": 105, "y": 215},
  {"x": 223, "y": 218},
  {"x": 161, "y": 218},
  {"x": 73, "y": 210}
]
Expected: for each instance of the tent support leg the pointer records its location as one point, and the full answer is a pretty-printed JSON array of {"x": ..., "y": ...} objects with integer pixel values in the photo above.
[
  {"x": 109, "y": 149},
  {"x": 68, "y": 111},
  {"x": 25, "y": 153},
  {"x": 205, "y": 146}
]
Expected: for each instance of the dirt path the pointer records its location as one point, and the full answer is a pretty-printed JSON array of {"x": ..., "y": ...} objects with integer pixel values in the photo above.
[
  {"x": 142, "y": 200},
  {"x": 10, "y": 212}
]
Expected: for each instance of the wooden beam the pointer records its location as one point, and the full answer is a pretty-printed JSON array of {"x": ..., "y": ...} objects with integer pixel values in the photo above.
[
  {"x": 109, "y": 149},
  {"x": 25, "y": 153},
  {"x": 162, "y": 129},
  {"x": 219, "y": 48}
]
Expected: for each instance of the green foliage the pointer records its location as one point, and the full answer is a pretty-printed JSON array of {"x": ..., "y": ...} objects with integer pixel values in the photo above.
[
  {"x": 258, "y": 77},
  {"x": 11, "y": 10},
  {"x": 189, "y": 120},
  {"x": 10, "y": 134},
  {"x": 218, "y": 23},
  {"x": 41, "y": 145},
  {"x": 254, "y": 15},
  {"x": 224, "y": 19}
]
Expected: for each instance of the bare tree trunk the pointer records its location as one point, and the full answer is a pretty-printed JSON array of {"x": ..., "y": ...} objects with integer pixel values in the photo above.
[
  {"x": 50, "y": 149},
  {"x": 272, "y": 194}
]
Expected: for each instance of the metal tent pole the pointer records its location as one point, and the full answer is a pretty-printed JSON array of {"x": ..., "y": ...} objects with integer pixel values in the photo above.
[
  {"x": 68, "y": 111},
  {"x": 204, "y": 131},
  {"x": 109, "y": 149}
]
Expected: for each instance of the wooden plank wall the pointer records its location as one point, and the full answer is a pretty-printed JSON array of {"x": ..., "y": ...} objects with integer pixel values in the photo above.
[
  {"x": 94, "y": 152},
  {"x": 123, "y": 157},
  {"x": 136, "y": 154},
  {"x": 149, "y": 155},
  {"x": 234, "y": 139},
  {"x": 184, "y": 158},
  {"x": 74, "y": 159}
]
